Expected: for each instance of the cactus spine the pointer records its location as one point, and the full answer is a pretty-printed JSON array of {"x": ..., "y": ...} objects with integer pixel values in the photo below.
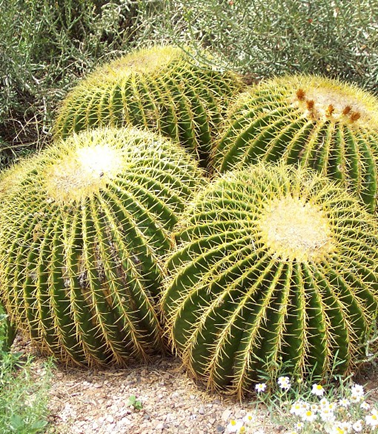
[
  {"x": 83, "y": 225},
  {"x": 160, "y": 88},
  {"x": 275, "y": 268},
  {"x": 320, "y": 123}
]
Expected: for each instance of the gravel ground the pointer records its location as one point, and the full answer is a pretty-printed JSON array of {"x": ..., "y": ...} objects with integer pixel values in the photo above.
[
  {"x": 90, "y": 401},
  {"x": 87, "y": 401}
]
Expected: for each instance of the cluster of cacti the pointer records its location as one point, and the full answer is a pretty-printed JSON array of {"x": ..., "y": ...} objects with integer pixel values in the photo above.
[
  {"x": 160, "y": 88},
  {"x": 316, "y": 122},
  {"x": 83, "y": 227},
  {"x": 269, "y": 267},
  {"x": 275, "y": 267}
]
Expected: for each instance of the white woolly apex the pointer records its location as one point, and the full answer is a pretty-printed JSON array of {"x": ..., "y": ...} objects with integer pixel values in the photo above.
[
  {"x": 295, "y": 230},
  {"x": 99, "y": 160},
  {"x": 83, "y": 172}
]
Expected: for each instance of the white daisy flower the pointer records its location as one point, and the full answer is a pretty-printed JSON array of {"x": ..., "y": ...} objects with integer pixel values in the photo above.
[
  {"x": 234, "y": 426},
  {"x": 327, "y": 415},
  {"x": 365, "y": 406},
  {"x": 358, "y": 426},
  {"x": 284, "y": 383},
  {"x": 317, "y": 390},
  {"x": 248, "y": 418},
  {"x": 338, "y": 429},
  {"x": 298, "y": 408},
  {"x": 261, "y": 387},
  {"x": 346, "y": 426},
  {"x": 344, "y": 403},
  {"x": 309, "y": 416},
  {"x": 324, "y": 403},
  {"x": 355, "y": 398},
  {"x": 372, "y": 420},
  {"x": 357, "y": 390}
]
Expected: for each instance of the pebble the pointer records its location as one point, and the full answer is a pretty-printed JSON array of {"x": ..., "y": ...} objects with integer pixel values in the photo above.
[
  {"x": 170, "y": 417},
  {"x": 125, "y": 421},
  {"x": 226, "y": 415}
]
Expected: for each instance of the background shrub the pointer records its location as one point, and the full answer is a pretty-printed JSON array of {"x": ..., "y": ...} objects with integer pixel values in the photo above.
[
  {"x": 264, "y": 38},
  {"x": 46, "y": 45}
]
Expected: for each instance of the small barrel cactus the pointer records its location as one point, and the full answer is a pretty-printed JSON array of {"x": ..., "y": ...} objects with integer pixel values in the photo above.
[
  {"x": 275, "y": 271},
  {"x": 161, "y": 89},
  {"x": 83, "y": 225},
  {"x": 319, "y": 123}
]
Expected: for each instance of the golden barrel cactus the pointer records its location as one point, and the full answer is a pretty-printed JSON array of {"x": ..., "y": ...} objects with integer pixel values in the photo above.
[
  {"x": 83, "y": 225},
  {"x": 162, "y": 89},
  {"x": 275, "y": 272},
  {"x": 315, "y": 122}
]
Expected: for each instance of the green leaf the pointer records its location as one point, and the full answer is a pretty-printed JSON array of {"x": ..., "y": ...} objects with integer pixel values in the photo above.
[
  {"x": 135, "y": 403},
  {"x": 16, "y": 423}
]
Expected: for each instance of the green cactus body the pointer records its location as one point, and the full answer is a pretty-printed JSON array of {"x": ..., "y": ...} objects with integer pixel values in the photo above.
[
  {"x": 160, "y": 88},
  {"x": 274, "y": 272},
  {"x": 316, "y": 122},
  {"x": 83, "y": 225},
  {"x": 7, "y": 332}
]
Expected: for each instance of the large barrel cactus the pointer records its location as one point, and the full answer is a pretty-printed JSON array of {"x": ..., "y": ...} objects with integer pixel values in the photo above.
[
  {"x": 83, "y": 225},
  {"x": 161, "y": 88},
  {"x": 274, "y": 272},
  {"x": 320, "y": 123}
]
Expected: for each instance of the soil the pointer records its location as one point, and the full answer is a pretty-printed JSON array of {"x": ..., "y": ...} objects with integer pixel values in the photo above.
[{"x": 98, "y": 401}]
